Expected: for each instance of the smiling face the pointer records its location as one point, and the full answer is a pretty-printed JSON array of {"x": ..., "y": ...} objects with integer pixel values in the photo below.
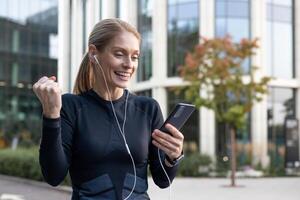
[{"x": 119, "y": 59}]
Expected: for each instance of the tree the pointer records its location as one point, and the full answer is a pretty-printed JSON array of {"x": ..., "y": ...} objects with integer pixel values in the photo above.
[{"x": 218, "y": 80}]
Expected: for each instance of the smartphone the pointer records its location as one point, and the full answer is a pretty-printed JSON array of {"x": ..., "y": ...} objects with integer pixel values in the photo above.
[{"x": 180, "y": 114}]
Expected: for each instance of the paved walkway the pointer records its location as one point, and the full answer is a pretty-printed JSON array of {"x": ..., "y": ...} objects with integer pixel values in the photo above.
[
  {"x": 217, "y": 189},
  {"x": 12, "y": 188},
  {"x": 182, "y": 189}
]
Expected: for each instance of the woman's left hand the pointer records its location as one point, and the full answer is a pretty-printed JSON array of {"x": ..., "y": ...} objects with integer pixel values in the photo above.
[{"x": 171, "y": 144}]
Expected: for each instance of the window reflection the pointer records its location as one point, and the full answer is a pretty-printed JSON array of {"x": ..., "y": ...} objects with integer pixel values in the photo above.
[
  {"x": 281, "y": 105},
  {"x": 183, "y": 34},
  {"x": 233, "y": 18},
  {"x": 28, "y": 50},
  {"x": 279, "y": 37},
  {"x": 145, "y": 28}
]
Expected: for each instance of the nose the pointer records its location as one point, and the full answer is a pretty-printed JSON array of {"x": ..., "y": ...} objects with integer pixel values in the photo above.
[{"x": 128, "y": 63}]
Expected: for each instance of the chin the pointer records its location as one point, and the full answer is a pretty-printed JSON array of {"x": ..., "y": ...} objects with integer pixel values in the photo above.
[{"x": 122, "y": 85}]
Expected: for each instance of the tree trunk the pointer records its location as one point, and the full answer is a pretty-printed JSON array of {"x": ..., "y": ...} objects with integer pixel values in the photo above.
[{"x": 233, "y": 154}]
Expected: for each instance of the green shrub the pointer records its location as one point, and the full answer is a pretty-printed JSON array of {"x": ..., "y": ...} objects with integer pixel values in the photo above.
[
  {"x": 22, "y": 163},
  {"x": 195, "y": 164}
]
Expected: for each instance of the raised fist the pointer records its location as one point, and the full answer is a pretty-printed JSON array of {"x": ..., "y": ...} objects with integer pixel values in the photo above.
[{"x": 49, "y": 94}]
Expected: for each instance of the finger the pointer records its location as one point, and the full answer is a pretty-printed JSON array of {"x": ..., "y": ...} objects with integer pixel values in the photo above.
[
  {"x": 43, "y": 79},
  {"x": 159, "y": 134},
  {"x": 39, "y": 82},
  {"x": 174, "y": 131},
  {"x": 166, "y": 144},
  {"x": 161, "y": 147},
  {"x": 42, "y": 88},
  {"x": 52, "y": 87}
]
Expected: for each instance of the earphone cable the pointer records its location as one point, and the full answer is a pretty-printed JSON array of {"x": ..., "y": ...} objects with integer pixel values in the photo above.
[
  {"x": 161, "y": 164},
  {"x": 122, "y": 132}
]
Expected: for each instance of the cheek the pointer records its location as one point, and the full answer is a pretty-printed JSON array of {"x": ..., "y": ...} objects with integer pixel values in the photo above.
[{"x": 135, "y": 67}]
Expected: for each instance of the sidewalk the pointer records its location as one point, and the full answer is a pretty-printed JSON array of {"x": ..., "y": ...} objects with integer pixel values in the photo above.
[
  {"x": 182, "y": 189},
  {"x": 217, "y": 189}
]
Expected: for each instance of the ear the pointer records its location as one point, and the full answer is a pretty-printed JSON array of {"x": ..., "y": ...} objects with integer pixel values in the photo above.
[{"x": 92, "y": 51}]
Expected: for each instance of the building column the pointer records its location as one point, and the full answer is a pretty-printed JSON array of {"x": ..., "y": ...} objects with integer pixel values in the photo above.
[
  {"x": 76, "y": 47},
  {"x": 64, "y": 35},
  {"x": 109, "y": 9},
  {"x": 207, "y": 117},
  {"x": 92, "y": 15},
  {"x": 259, "y": 124},
  {"x": 159, "y": 53},
  {"x": 297, "y": 59}
]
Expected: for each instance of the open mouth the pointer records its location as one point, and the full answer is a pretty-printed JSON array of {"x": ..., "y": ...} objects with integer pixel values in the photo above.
[{"x": 123, "y": 75}]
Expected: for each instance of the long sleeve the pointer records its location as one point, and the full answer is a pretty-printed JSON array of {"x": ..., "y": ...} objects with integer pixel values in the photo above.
[
  {"x": 157, "y": 172},
  {"x": 56, "y": 143}
]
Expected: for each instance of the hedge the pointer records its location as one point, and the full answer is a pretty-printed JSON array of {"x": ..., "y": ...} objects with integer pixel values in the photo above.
[{"x": 23, "y": 163}]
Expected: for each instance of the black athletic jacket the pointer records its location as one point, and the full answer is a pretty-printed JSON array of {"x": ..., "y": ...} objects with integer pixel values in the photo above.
[{"x": 86, "y": 141}]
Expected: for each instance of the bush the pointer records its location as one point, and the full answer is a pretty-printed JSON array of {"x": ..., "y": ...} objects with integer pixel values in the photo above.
[
  {"x": 22, "y": 163},
  {"x": 195, "y": 164}
]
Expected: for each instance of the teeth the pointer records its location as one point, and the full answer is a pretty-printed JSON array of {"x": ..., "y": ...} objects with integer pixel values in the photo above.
[{"x": 123, "y": 73}]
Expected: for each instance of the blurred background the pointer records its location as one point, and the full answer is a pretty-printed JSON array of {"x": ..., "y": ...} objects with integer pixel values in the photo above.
[{"x": 49, "y": 37}]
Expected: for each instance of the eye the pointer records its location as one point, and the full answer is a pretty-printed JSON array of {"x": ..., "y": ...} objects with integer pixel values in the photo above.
[
  {"x": 135, "y": 58},
  {"x": 118, "y": 54}
]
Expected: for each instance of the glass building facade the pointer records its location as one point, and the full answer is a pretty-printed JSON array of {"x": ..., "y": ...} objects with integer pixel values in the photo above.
[
  {"x": 280, "y": 23},
  {"x": 183, "y": 35},
  {"x": 145, "y": 28},
  {"x": 281, "y": 105},
  {"x": 183, "y": 31},
  {"x": 233, "y": 18},
  {"x": 28, "y": 51},
  {"x": 280, "y": 65}
]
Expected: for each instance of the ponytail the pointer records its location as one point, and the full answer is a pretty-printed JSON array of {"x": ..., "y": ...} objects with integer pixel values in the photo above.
[{"x": 84, "y": 79}]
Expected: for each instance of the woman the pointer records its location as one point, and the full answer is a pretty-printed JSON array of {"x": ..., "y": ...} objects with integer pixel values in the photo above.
[{"x": 102, "y": 134}]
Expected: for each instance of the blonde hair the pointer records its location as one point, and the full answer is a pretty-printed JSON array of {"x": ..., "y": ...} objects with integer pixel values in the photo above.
[{"x": 101, "y": 35}]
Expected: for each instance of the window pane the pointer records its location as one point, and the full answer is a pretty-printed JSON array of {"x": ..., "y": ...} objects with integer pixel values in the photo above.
[
  {"x": 232, "y": 18},
  {"x": 280, "y": 36},
  {"x": 238, "y": 28},
  {"x": 282, "y": 2},
  {"x": 221, "y": 27},
  {"x": 281, "y": 104},
  {"x": 237, "y": 9},
  {"x": 183, "y": 32},
  {"x": 282, "y": 59},
  {"x": 145, "y": 28},
  {"x": 186, "y": 11}
]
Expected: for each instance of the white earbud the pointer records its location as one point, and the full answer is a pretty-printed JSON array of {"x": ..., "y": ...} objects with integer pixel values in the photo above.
[
  {"x": 95, "y": 56},
  {"x": 97, "y": 61}
]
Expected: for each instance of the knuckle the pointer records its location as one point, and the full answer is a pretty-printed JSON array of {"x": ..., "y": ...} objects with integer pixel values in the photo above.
[
  {"x": 42, "y": 79},
  {"x": 42, "y": 88},
  {"x": 49, "y": 88},
  {"x": 52, "y": 89},
  {"x": 180, "y": 136}
]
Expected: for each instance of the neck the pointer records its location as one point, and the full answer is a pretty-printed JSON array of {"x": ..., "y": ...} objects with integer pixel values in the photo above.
[{"x": 115, "y": 93}]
